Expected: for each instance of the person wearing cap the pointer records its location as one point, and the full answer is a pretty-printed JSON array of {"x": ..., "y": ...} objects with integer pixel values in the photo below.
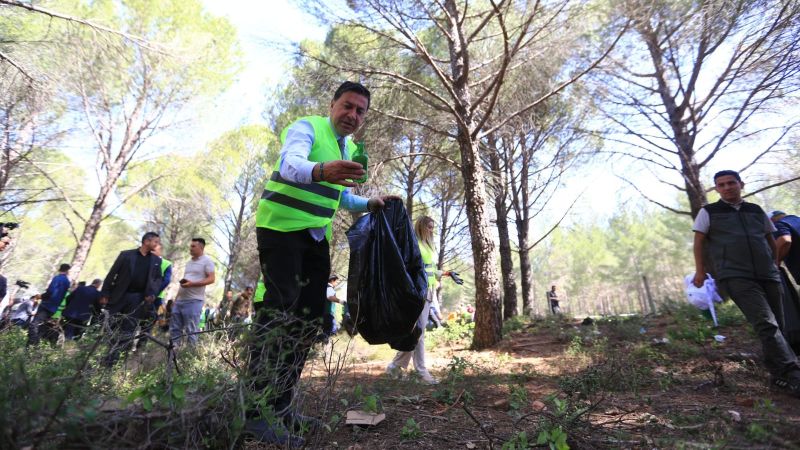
[
  {"x": 743, "y": 255},
  {"x": 293, "y": 227}
]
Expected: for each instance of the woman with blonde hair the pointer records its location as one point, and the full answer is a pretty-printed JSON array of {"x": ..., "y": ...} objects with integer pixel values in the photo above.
[{"x": 423, "y": 228}]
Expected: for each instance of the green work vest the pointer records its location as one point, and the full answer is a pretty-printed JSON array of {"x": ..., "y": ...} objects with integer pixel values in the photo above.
[
  {"x": 427, "y": 259},
  {"x": 57, "y": 314},
  {"x": 289, "y": 206},
  {"x": 203, "y": 317},
  {"x": 165, "y": 263},
  {"x": 258, "y": 296}
]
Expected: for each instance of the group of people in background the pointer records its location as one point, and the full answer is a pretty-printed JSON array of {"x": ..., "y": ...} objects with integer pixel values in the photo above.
[{"x": 129, "y": 300}]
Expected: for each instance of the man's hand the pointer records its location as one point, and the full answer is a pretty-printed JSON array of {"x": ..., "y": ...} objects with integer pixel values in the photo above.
[
  {"x": 103, "y": 300},
  {"x": 699, "y": 279},
  {"x": 150, "y": 299},
  {"x": 339, "y": 172},
  {"x": 376, "y": 204}
]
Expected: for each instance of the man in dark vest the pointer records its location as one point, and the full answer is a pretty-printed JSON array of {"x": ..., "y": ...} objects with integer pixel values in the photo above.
[
  {"x": 130, "y": 288},
  {"x": 308, "y": 184},
  {"x": 744, "y": 257}
]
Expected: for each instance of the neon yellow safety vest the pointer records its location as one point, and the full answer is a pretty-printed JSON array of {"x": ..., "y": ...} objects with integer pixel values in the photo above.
[
  {"x": 427, "y": 259},
  {"x": 289, "y": 206},
  {"x": 258, "y": 296},
  {"x": 165, "y": 263}
]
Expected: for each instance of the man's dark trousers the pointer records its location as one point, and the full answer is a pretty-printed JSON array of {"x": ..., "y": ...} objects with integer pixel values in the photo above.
[
  {"x": 125, "y": 315},
  {"x": 761, "y": 303},
  {"x": 295, "y": 269},
  {"x": 42, "y": 315}
]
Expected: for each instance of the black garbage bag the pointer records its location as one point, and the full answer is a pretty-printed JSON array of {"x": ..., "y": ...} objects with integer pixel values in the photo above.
[{"x": 386, "y": 284}]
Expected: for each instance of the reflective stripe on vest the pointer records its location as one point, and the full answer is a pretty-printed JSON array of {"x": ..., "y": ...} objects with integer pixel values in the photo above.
[{"x": 290, "y": 206}]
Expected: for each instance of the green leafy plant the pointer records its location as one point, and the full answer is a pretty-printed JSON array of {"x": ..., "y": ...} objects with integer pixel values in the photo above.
[
  {"x": 410, "y": 430},
  {"x": 518, "y": 442},
  {"x": 554, "y": 438},
  {"x": 518, "y": 397}
]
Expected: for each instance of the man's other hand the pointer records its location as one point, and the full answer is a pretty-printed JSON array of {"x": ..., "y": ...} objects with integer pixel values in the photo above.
[
  {"x": 699, "y": 279},
  {"x": 376, "y": 204},
  {"x": 340, "y": 172},
  {"x": 149, "y": 299}
]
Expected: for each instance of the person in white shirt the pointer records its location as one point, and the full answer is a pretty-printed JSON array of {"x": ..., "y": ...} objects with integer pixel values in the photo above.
[{"x": 188, "y": 306}]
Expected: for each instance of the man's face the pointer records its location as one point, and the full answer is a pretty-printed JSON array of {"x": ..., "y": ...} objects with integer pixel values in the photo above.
[
  {"x": 249, "y": 291},
  {"x": 729, "y": 188},
  {"x": 152, "y": 243},
  {"x": 348, "y": 112},
  {"x": 157, "y": 250},
  {"x": 195, "y": 249}
]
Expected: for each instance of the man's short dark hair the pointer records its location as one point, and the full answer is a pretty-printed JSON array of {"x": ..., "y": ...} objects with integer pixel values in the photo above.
[
  {"x": 64, "y": 267},
  {"x": 97, "y": 281},
  {"x": 723, "y": 173},
  {"x": 333, "y": 277},
  {"x": 200, "y": 241},
  {"x": 349, "y": 86},
  {"x": 149, "y": 235}
]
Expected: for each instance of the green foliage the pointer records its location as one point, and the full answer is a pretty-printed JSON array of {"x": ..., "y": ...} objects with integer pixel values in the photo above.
[
  {"x": 410, "y": 430},
  {"x": 554, "y": 438},
  {"x": 518, "y": 442},
  {"x": 370, "y": 403},
  {"x": 448, "y": 390},
  {"x": 455, "y": 332},
  {"x": 515, "y": 324},
  {"x": 517, "y": 397}
]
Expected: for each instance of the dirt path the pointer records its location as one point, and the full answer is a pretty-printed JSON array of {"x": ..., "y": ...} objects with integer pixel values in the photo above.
[{"x": 662, "y": 382}]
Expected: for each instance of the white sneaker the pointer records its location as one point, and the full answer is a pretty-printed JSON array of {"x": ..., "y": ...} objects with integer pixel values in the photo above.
[
  {"x": 394, "y": 372},
  {"x": 427, "y": 378}
]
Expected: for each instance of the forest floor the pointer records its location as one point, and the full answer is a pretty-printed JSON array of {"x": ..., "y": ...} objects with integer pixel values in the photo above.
[{"x": 621, "y": 382}]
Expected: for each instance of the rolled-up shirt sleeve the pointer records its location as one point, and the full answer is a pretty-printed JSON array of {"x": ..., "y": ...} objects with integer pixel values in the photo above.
[
  {"x": 702, "y": 222},
  {"x": 295, "y": 165},
  {"x": 352, "y": 202}
]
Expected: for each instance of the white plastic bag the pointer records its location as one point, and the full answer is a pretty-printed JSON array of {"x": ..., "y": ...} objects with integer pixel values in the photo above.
[{"x": 703, "y": 297}]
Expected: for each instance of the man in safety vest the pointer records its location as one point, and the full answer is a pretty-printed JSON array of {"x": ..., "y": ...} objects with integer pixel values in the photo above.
[{"x": 308, "y": 184}]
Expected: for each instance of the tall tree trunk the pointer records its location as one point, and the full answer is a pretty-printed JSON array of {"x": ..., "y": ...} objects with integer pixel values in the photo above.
[
  {"x": 682, "y": 137},
  {"x": 506, "y": 261},
  {"x": 525, "y": 269},
  {"x": 488, "y": 318},
  {"x": 92, "y": 225}
]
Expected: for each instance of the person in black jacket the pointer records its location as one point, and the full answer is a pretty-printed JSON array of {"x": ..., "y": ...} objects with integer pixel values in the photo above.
[
  {"x": 130, "y": 288},
  {"x": 79, "y": 309}
]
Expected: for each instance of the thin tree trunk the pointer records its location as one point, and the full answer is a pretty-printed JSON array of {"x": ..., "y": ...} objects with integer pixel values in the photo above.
[
  {"x": 526, "y": 272},
  {"x": 506, "y": 261},
  {"x": 92, "y": 225}
]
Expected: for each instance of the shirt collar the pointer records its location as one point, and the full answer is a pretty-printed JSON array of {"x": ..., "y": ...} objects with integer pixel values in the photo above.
[
  {"x": 330, "y": 122},
  {"x": 739, "y": 203}
]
